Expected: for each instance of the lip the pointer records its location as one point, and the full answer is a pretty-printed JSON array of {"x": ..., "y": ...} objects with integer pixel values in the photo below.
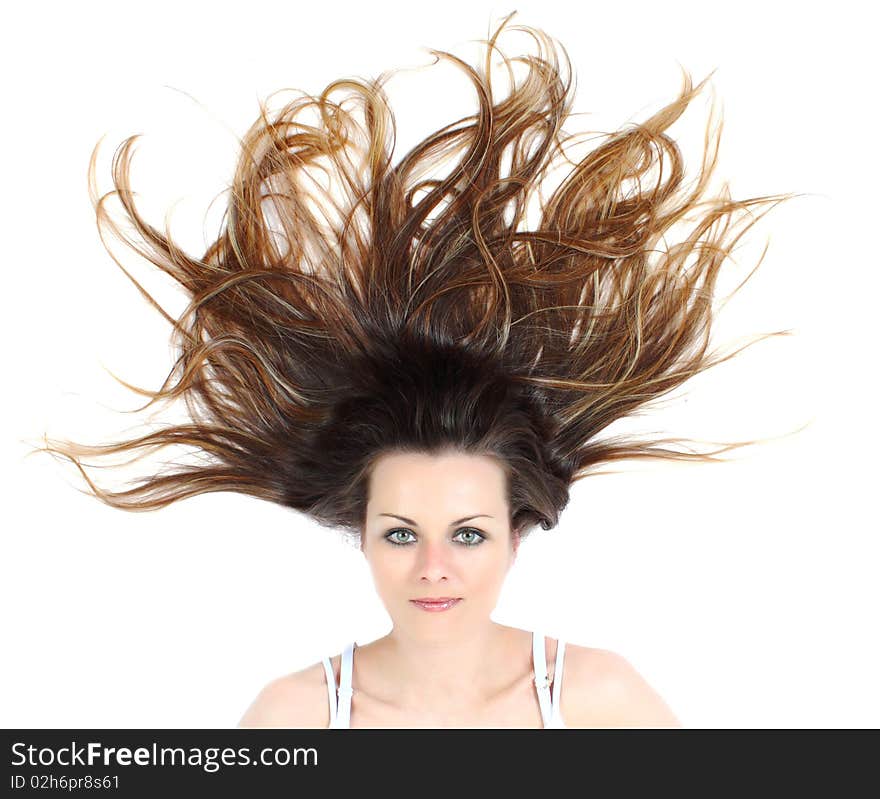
[{"x": 436, "y": 604}]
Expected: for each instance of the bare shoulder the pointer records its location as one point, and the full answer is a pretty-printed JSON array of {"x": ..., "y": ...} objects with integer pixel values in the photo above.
[
  {"x": 603, "y": 689},
  {"x": 298, "y": 700}
]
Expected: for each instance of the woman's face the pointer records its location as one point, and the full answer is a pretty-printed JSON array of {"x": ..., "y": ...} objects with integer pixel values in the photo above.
[{"x": 419, "y": 542}]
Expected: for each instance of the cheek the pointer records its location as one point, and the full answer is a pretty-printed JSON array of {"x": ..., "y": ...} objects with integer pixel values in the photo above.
[
  {"x": 387, "y": 569},
  {"x": 487, "y": 562}
]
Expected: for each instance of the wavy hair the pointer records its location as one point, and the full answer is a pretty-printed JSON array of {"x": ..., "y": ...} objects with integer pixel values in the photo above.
[{"x": 412, "y": 311}]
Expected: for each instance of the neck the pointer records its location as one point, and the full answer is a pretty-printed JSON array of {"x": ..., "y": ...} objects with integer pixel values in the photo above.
[{"x": 440, "y": 673}]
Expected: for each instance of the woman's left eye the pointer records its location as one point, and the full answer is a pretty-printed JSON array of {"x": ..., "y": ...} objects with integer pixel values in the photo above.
[{"x": 476, "y": 539}]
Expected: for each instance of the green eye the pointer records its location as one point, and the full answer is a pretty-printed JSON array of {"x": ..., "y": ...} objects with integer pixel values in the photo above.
[
  {"x": 397, "y": 543},
  {"x": 477, "y": 538}
]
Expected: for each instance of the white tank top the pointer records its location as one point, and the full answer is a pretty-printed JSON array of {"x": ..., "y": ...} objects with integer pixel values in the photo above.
[{"x": 340, "y": 698}]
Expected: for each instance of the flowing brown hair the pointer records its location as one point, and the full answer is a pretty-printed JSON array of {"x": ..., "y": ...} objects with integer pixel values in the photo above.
[{"x": 414, "y": 312}]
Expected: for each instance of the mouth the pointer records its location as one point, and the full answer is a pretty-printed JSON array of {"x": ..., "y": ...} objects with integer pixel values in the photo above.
[{"x": 436, "y": 603}]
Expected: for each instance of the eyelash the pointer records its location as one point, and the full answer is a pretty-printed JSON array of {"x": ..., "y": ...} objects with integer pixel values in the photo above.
[{"x": 407, "y": 543}]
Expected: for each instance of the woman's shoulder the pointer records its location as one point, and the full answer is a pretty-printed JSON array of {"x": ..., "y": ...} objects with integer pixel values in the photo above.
[
  {"x": 601, "y": 688},
  {"x": 296, "y": 700}
]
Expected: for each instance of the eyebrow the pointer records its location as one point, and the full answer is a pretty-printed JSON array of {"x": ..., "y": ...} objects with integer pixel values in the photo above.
[{"x": 457, "y": 521}]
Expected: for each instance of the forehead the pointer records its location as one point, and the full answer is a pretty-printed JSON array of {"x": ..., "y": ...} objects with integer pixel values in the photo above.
[{"x": 426, "y": 480}]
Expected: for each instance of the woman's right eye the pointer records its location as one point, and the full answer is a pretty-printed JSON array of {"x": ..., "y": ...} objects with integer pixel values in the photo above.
[{"x": 397, "y": 532}]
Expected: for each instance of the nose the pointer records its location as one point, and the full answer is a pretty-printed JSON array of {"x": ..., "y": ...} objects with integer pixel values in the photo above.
[{"x": 434, "y": 560}]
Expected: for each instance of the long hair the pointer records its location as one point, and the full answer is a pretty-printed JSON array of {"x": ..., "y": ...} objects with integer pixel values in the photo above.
[{"x": 419, "y": 312}]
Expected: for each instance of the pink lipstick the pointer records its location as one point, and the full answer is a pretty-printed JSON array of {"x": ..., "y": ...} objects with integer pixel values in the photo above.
[{"x": 436, "y": 605}]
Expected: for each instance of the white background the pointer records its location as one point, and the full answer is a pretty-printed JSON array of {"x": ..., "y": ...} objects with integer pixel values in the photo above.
[{"x": 745, "y": 592}]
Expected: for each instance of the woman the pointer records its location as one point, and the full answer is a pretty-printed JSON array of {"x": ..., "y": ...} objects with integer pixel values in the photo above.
[
  {"x": 453, "y": 667},
  {"x": 404, "y": 359}
]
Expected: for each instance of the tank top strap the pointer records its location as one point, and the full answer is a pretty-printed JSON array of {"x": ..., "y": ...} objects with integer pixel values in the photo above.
[
  {"x": 343, "y": 710},
  {"x": 331, "y": 689},
  {"x": 542, "y": 679},
  {"x": 557, "y": 679}
]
